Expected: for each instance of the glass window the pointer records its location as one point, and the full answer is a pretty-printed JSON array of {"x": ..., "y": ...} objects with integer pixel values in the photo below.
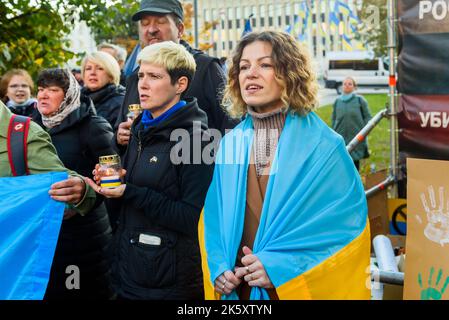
[
  {"x": 230, "y": 14},
  {"x": 239, "y": 13},
  {"x": 341, "y": 64},
  {"x": 366, "y": 65}
]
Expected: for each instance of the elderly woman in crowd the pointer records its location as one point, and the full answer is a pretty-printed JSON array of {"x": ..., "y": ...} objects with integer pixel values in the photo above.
[
  {"x": 80, "y": 138},
  {"x": 16, "y": 89},
  {"x": 101, "y": 77},
  {"x": 285, "y": 216},
  {"x": 156, "y": 243}
]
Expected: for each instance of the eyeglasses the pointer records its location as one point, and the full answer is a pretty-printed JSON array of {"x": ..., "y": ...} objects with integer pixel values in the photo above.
[{"x": 17, "y": 86}]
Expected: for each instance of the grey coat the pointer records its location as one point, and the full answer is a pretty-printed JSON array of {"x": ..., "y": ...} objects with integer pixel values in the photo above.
[{"x": 348, "y": 118}]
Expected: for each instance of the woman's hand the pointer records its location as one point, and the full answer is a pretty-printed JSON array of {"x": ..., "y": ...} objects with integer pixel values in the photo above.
[
  {"x": 253, "y": 271},
  {"x": 124, "y": 132},
  {"x": 116, "y": 192},
  {"x": 226, "y": 283},
  {"x": 70, "y": 190}
]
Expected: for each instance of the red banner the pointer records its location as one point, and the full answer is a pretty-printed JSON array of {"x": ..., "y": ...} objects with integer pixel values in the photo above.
[
  {"x": 423, "y": 81},
  {"x": 424, "y": 126}
]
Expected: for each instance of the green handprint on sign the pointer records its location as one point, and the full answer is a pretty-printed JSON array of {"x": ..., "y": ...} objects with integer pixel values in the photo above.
[{"x": 432, "y": 292}]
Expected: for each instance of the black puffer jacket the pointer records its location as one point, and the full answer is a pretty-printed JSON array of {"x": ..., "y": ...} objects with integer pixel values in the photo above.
[
  {"x": 28, "y": 110},
  {"x": 84, "y": 241},
  {"x": 107, "y": 101},
  {"x": 156, "y": 243}
]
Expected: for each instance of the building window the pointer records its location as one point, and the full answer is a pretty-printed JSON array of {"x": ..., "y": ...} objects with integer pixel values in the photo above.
[
  {"x": 230, "y": 14},
  {"x": 239, "y": 13}
]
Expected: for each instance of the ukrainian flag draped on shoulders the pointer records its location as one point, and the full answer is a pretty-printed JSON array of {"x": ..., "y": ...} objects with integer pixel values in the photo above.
[
  {"x": 29, "y": 227},
  {"x": 313, "y": 238}
]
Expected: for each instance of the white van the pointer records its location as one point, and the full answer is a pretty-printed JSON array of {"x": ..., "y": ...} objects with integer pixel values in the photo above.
[{"x": 366, "y": 70}]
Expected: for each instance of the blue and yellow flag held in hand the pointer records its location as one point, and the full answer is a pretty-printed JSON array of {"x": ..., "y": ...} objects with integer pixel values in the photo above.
[
  {"x": 313, "y": 238},
  {"x": 29, "y": 227}
]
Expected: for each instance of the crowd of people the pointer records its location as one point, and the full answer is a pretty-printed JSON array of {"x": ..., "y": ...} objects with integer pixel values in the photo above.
[{"x": 261, "y": 220}]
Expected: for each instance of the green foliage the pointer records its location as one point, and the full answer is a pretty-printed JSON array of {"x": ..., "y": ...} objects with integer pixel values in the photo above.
[
  {"x": 114, "y": 22},
  {"x": 31, "y": 37},
  {"x": 33, "y": 34},
  {"x": 378, "y": 139},
  {"x": 373, "y": 29}
]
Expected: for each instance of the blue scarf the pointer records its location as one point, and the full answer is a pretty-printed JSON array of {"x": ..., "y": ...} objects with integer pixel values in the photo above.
[
  {"x": 347, "y": 97},
  {"x": 313, "y": 222},
  {"x": 147, "y": 118}
]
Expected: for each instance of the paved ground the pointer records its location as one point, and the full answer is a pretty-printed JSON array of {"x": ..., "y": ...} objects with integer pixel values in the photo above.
[{"x": 328, "y": 96}]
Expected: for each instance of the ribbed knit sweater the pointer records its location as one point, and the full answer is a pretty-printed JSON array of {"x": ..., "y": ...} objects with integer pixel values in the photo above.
[{"x": 267, "y": 130}]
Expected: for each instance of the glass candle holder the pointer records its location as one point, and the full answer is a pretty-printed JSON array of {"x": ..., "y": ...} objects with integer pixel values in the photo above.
[
  {"x": 109, "y": 171},
  {"x": 134, "y": 110}
]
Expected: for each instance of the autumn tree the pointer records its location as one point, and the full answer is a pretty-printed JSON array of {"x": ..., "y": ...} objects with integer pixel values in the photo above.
[
  {"x": 373, "y": 29},
  {"x": 34, "y": 34}
]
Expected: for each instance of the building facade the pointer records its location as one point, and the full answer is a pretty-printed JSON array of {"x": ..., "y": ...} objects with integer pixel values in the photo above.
[{"x": 312, "y": 22}]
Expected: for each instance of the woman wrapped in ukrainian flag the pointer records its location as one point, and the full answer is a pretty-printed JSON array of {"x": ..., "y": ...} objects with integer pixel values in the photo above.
[{"x": 285, "y": 216}]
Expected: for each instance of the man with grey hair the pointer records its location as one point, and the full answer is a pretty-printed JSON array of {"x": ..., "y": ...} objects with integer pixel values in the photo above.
[
  {"x": 119, "y": 53},
  {"x": 162, "y": 20}
]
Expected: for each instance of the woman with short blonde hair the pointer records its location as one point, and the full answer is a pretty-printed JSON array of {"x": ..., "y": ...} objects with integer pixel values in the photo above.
[
  {"x": 101, "y": 76},
  {"x": 162, "y": 194}
]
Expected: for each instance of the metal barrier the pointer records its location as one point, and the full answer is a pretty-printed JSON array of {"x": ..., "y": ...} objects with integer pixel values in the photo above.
[
  {"x": 361, "y": 136},
  {"x": 390, "y": 180},
  {"x": 388, "y": 277}
]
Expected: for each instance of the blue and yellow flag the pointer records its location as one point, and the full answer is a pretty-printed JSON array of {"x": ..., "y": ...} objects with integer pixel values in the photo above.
[
  {"x": 344, "y": 8},
  {"x": 29, "y": 227},
  {"x": 334, "y": 18},
  {"x": 313, "y": 238},
  {"x": 247, "y": 28}
]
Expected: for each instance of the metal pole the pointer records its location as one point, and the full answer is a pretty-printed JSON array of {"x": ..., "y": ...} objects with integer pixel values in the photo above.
[
  {"x": 195, "y": 15},
  {"x": 388, "y": 277},
  {"x": 391, "y": 26},
  {"x": 361, "y": 136},
  {"x": 379, "y": 187}
]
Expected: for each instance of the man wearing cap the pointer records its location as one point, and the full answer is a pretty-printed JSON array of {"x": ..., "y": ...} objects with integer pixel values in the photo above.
[{"x": 162, "y": 20}]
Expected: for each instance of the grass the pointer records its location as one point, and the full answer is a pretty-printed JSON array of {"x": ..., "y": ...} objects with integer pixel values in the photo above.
[{"x": 378, "y": 139}]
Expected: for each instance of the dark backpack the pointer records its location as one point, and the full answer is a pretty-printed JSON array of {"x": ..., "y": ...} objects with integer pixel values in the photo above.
[{"x": 17, "y": 144}]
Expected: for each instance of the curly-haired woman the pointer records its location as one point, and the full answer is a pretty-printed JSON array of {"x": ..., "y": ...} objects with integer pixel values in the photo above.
[{"x": 285, "y": 216}]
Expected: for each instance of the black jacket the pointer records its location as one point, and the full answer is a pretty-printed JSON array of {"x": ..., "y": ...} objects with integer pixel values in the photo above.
[
  {"x": 84, "y": 241},
  {"x": 162, "y": 202},
  {"x": 107, "y": 101},
  {"x": 29, "y": 110},
  {"x": 207, "y": 86}
]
